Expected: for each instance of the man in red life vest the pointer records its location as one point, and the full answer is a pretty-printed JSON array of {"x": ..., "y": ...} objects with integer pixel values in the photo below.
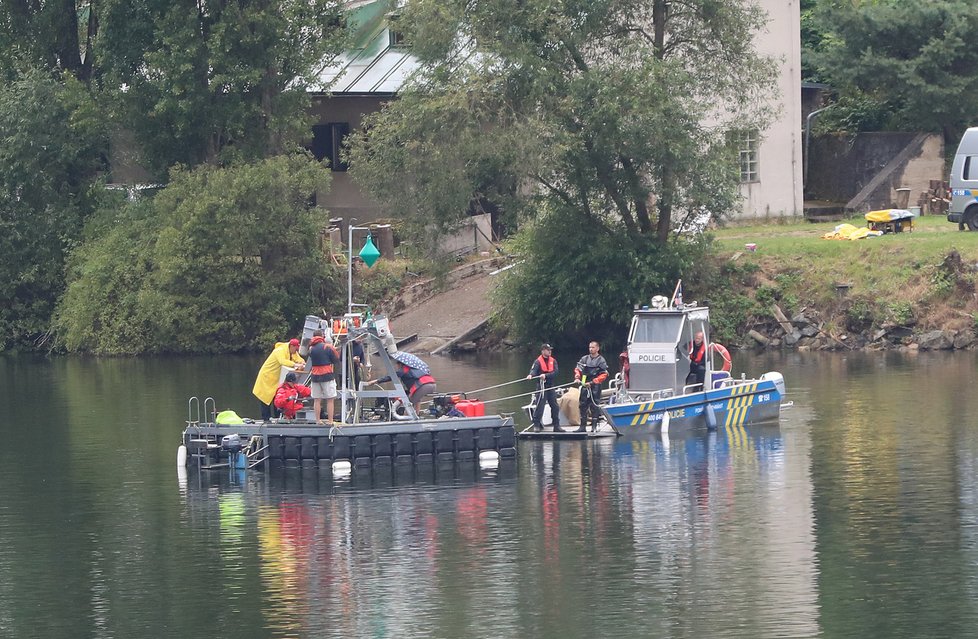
[
  {"x": 697, "y": 360},
  {"x": 288, "y": 396},
  {"x": 417, "y": 382},
  {"x": 590, "y": 371},
  {"x": 545, "y": 369}
]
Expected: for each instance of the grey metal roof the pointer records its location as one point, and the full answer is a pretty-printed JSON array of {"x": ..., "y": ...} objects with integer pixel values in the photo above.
[{"x": 372, "y": 65}]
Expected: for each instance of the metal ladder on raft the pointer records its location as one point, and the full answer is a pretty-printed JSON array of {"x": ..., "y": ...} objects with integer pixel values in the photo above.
[{"x": 201, "y": 448}]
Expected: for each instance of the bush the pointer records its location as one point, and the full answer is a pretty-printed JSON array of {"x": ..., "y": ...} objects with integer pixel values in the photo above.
[{"x": 220, "y": 260}]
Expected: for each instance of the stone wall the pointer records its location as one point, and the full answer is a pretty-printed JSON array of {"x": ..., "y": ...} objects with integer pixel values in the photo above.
[{"x": 864, "y": 170}]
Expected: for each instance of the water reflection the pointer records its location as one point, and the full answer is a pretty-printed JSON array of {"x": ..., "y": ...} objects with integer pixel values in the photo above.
[
  {"x": 857, "y": 517},
  {"x": 568, "y": 537}
]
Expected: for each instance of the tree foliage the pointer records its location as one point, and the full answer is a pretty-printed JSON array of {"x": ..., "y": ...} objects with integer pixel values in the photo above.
[
  {"x": 52, "y": 137},
  {"x": 577, "y": 283},
  {"x": 916, "y": 60},
  {"x": 214, "y": 81},
  {"x": 612, "y": 107},
  {"x": 222, "y": 259},
  {"x": 223, "y": 83}
]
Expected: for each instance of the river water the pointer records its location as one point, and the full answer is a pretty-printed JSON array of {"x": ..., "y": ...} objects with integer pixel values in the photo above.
[{"x": 857, "y": 516}]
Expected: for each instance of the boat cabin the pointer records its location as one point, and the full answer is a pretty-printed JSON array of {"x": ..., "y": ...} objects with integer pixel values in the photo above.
[{"x": 659, "y": 346}]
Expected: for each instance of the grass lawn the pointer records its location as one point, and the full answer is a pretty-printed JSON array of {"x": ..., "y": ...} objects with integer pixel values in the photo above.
[{"x": 890, "y": 278}]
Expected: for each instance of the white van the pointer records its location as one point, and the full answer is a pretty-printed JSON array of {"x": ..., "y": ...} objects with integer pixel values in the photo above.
[{"x": 964, "y": 182}]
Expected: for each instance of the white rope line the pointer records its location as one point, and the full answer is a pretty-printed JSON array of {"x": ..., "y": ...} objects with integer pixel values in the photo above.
[{"x": 503, "y": 399}]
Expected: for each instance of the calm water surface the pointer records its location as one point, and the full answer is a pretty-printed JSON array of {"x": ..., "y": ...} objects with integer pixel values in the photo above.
[{"x": 856, "y": 517}]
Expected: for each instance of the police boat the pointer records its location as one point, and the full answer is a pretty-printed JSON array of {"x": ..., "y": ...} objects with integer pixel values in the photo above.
[{"x": 653, "y": 392}]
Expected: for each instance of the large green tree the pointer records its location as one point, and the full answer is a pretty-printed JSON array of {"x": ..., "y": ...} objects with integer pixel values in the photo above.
[
  {"x": 222, "y": 259},
  {"x": 195, "y": 81},
  {"x": 52, "y": 136},
  {"x": 615, "y": 108},
  {"x": 899, "y": 65},
  {"x": 53, "y": 35},
  {"x": 214, "y": 82}
]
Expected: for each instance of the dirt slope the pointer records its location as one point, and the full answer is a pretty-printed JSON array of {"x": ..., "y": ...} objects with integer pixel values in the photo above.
[{"x": 447, "y": 314}]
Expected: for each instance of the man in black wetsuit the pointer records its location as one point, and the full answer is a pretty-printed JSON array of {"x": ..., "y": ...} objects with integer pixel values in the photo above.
[{"x": 590, "y": 371}]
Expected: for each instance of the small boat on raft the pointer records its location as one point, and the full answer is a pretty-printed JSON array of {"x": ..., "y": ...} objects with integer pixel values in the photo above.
[
  {"x": 378, "y": 426},
  {"x": 651, "y": 393}
]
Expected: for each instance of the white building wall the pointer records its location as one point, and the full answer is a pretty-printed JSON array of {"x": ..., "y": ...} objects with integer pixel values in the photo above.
[{"x": 778, "y": 191}]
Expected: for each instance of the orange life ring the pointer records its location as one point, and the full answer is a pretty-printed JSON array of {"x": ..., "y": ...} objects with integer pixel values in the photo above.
[{"x": 721, "y": 350}]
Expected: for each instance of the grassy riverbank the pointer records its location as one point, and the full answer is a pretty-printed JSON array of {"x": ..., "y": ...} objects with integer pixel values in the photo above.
[{"x": 922, "y": 280}]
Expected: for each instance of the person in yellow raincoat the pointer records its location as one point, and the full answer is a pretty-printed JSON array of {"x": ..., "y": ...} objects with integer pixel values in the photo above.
[{"x": 284, "y": 355}]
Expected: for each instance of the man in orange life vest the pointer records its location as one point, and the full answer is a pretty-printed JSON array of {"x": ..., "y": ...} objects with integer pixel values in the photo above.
[
  {"x": 697, "y": 360},
  {"x": 324, "y": 361},
  {"x": 545, "y": 369}
]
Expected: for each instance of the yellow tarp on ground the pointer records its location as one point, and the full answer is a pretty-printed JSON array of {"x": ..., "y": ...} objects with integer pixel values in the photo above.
[{"x": 850, "y": 232}]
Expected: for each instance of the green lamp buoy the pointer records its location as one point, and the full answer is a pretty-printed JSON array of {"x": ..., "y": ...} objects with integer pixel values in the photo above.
[{"x": 369, "y": 253}]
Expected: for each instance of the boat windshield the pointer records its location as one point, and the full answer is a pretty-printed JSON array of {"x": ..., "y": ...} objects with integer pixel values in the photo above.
[{"x": 657, "y": 329}]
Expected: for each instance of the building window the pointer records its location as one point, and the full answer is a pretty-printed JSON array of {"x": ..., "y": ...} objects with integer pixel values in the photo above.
[
  {"x": 396, "y": 38},
  {"x": 747, "y": 143},
  {"x": 327, "y": 143}
]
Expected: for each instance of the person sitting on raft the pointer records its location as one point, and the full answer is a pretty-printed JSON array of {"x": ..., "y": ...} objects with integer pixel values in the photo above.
[
  {"x": 418, "y": 383},
  {"x": 289, "y": 394}
]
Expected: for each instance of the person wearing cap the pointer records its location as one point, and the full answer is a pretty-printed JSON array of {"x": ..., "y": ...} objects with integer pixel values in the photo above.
[
  {"x": 284, "y": 355},
  {"x": 288, "y": 396},
  {"x": 545, "y": 370},
  {"x": 324, "y": 361}
]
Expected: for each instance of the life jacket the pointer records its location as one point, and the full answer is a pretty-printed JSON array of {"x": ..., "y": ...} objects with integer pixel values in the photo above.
[
  {"x": 697, "y": 354},
  {"x": 421, "y": 381},
  {"x": 626, "y": 367},
  {"x": 322, "y": 369},
  {"x": 546, "y": 366}
]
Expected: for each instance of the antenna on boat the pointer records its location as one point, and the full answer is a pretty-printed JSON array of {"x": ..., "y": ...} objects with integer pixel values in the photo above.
[{"x": 676, "y": 301}]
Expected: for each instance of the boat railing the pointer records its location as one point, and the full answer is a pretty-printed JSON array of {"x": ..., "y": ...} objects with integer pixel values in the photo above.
[
  {"x": 736, "y": 381},
  {"x": 212, "y": 414},
  {"x": 193, "y": 411},
  {"x": 645, "y": 396}
]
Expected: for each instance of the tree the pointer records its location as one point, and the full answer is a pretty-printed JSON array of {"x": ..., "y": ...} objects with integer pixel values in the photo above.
[
  {"x": 214, "y": 82},
  {"x": 52, "y": 139},
  {"x": 615, "y": 108},
  {"x": 48, "y": 35},
  {"x": 215, "y": 262},
  {"x": 914, "y": 62},
  {"x": 575, "y": 284}
]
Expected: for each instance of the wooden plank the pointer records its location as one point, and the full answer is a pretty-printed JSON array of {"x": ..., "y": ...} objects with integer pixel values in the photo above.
[{"x": 782, "y": 319}]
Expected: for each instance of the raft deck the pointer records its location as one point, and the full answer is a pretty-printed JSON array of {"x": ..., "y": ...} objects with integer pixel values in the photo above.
[{"x": 408, "y": 441}]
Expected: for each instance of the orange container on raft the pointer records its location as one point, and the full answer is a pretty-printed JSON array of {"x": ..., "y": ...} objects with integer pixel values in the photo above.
[{"x": 471, "y": 408}]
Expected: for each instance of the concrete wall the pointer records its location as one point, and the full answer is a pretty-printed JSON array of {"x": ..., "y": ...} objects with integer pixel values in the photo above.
[
  {"x": 778, "y": 192},
  {"x": 841, "y": 167}
]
